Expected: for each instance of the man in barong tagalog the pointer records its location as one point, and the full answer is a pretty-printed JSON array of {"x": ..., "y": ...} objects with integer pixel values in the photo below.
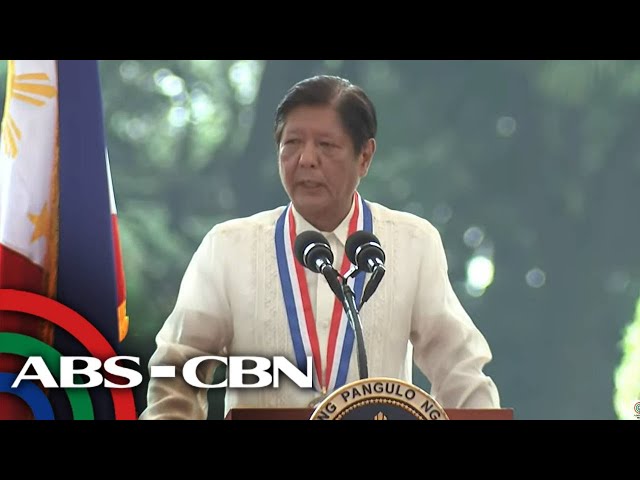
[{"x": 244, "y": 292}]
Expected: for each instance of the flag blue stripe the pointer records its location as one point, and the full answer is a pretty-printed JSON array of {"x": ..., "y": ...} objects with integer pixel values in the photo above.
[
  {"x": 347, "y": 346},
  {"x": 287, "y": 292},
  {"x": 86, "y": 266},
  {"x": 86, "y": 279}
]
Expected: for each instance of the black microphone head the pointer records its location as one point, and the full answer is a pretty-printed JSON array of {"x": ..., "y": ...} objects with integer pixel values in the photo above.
[
  {"x": 362, "y": 246},
  {"x": 309, "y": 246}
]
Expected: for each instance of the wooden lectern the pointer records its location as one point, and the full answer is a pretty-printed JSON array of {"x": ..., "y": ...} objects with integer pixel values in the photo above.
[{"x": 305, "y": 414}]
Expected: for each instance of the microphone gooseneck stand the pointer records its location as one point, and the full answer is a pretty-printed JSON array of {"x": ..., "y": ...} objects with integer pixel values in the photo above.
[{"x": 349, "y": 303}]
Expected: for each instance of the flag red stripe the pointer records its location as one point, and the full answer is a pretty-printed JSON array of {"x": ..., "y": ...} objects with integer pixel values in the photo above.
[{"x": 18, "y": 272}]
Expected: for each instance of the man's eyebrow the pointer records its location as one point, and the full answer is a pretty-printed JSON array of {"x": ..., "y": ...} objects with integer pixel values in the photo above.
[{"x": 320, "y": 133}]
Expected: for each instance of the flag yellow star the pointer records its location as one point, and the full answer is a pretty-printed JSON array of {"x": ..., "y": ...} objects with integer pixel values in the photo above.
[{"x": 40, "y": 222}]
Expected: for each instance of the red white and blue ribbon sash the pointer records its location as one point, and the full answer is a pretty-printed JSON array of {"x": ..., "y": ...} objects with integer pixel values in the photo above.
[{"x": 302, "y": 323}]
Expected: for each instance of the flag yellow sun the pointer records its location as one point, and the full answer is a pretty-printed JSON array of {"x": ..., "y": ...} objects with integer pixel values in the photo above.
[{"x": 31, "y": 88}]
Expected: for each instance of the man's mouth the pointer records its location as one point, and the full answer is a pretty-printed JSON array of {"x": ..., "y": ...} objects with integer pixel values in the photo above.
[{"x": 310, "y": 184}]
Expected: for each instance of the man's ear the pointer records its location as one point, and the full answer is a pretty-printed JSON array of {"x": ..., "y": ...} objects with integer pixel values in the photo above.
[{"x": 366, "y": 156}]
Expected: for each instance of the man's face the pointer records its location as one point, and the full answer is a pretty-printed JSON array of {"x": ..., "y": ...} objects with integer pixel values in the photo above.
[{"x": 319, "y": 167}]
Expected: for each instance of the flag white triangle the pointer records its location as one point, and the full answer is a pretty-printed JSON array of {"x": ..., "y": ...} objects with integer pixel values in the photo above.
[{"x": 28, "y": 148}]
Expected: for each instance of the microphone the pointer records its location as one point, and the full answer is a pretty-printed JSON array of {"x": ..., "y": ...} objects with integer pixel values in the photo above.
[
  {"x": 364, "y": 251},
  {"x": 312, "y": 250}
]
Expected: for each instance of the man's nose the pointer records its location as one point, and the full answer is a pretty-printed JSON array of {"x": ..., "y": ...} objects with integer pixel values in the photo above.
[{"x": 309, "y": 155}]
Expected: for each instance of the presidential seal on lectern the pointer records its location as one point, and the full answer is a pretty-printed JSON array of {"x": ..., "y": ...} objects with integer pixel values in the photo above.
[{"x": 379, "y": 399}]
